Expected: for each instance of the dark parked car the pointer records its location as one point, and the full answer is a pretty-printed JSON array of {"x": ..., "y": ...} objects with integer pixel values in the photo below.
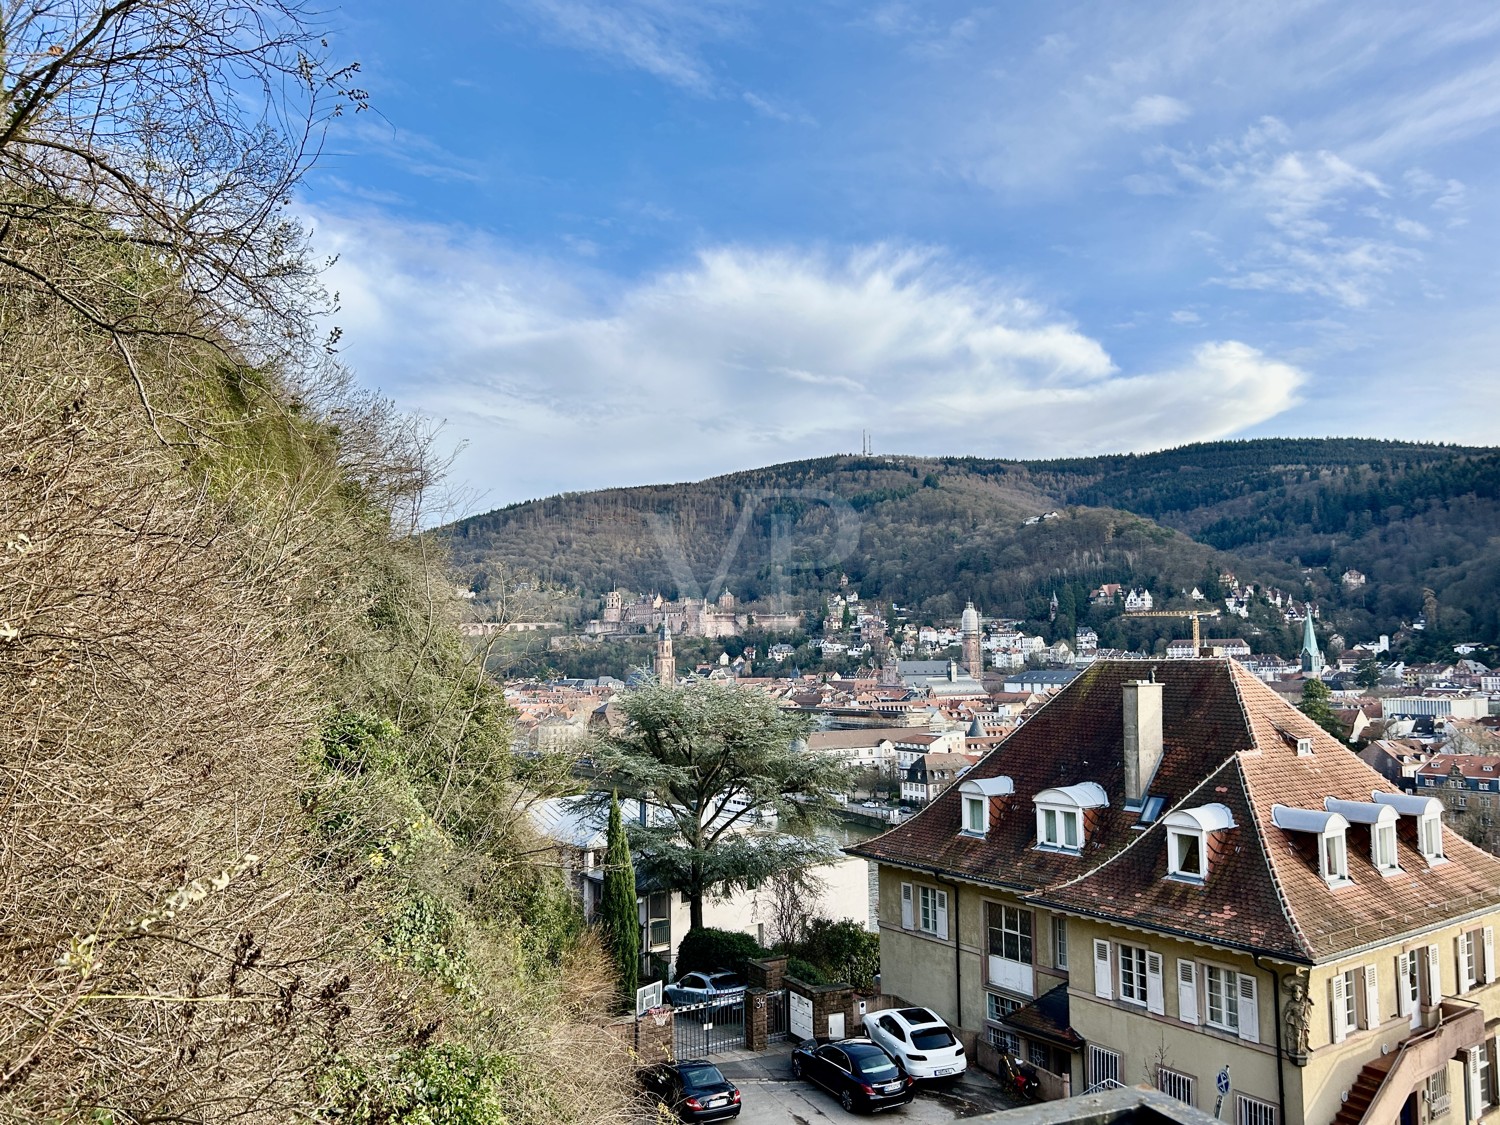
[
  {"x": 695, "y": 1090},
  {"x": 856, "y": 1071}
]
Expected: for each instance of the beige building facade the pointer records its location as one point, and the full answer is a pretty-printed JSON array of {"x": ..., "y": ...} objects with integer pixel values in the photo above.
[{"x": 1182, "y": 879}]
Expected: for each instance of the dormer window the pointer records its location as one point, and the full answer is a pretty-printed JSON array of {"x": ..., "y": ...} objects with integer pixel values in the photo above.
[
  {"x": 976, "y": 796},
  {"x": 1060, "y": 822},
  {"x": 1188, "y": 834},
  {"x": 1381, "y": 820},
  {"x": 1330, "y": 829},
  {"x": 1304, "y": 748},
  {"x": 1428, "y": 813}
]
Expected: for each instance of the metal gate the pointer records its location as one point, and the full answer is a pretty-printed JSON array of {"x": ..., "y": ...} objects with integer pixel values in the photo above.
[
  {"x": 700, "y": 1030},
  {"x": 777, "y": 1017}
]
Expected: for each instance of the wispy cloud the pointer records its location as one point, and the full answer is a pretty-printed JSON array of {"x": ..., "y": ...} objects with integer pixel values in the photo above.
[
  {"x": 746, "y": 354},
  {"x": 664, "y": 38},
  {"x": 775, "y": 110}
]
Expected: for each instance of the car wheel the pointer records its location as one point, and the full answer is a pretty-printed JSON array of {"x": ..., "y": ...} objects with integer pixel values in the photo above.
[
  {"x": 796, "y": 1068},
  {"x": 846, "y": 1099}
]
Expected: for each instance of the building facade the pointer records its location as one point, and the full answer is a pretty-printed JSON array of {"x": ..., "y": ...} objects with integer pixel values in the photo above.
[{"x": 1169, "y": 875}]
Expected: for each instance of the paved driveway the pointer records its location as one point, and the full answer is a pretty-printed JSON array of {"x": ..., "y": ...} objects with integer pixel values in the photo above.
[{"x": 773, "y": 1097}]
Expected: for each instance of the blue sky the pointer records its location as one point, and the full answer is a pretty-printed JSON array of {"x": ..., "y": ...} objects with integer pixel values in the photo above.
[{"x": 654, "y": 240}]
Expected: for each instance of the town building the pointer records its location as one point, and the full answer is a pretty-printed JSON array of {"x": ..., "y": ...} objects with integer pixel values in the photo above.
[
  {"x": 1168, "y": 874},
  {"x": 930, "y": 774},
  {"x": 1236, "y": 648}
]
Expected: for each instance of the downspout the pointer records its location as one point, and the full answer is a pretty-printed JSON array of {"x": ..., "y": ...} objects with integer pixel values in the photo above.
[
  {"x": 1276, "y": 1018},
  {"x": 958, "y": 967}
]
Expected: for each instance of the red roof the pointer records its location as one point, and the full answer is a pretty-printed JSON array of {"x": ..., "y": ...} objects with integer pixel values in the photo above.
[{"x": 1230, "y": 739}]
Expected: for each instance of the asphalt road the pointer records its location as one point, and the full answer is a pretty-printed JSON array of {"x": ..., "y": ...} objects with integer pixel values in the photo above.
[{"x": 772, "y": 1097}]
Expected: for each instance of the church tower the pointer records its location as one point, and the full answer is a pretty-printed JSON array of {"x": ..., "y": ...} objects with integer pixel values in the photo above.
[
  {"x": 969, "y": 632},
  {"x": 666, "y": 665},
  {"x": 1312, "y": 659}
]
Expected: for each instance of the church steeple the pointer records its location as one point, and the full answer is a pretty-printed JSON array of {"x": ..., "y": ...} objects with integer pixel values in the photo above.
[
  {"x": 666, "y": 664},
  {"x": 1312, "y": 660}
]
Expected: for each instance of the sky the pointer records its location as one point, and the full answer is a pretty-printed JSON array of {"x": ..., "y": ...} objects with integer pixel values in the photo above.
[{"x": 656, "y": 240}]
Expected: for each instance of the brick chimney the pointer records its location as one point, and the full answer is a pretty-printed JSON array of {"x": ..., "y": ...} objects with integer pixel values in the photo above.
[{"x": 1142, "y": 736}]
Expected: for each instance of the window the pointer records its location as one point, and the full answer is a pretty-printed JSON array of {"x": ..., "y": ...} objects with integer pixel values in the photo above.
[
  {"x": 1430, "y": 836},
  {"x": 1335, "y": 855},
  {"x": 1060, "y": 942},
  {"x": 1010, "y": 933},
  {"x": 1133, "y": 974},
  {"x": 1253, "y": 1111},
  {"x": 1482, "y": 1081},
  {"x": 1463, "y": 800},
  {"x": 1468, "y": 960},
  {"x": 1351, "y": 999},
  {"x": 1059, "y": 828},
  {"x": 1438, "y": 1099},
  {"x": 1383, "y": 846},
  {"x": 1003, "y": 1039},
  {"x": 1222, "y": 989},
  {"x": 933, "y": 915},
  {"x": 1176, "y": 1085},
  {"x": 974, "y": 816},
  {"x": 659, "y": 920},
  {"x": 997, "y": 1007},
  {"x": 1104, "y": 1066},
  {"x": 1185, "y": 851},
  {"x": 1039, "y": 1055}
]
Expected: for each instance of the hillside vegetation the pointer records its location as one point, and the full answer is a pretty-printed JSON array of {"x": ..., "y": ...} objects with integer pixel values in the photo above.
[
  {"x": 931, "y": 533},
  {"x": 264, "y": 854}
]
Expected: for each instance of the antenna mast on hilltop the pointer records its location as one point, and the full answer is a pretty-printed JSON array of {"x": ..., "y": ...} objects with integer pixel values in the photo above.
[{"x": 866, "y": 446}]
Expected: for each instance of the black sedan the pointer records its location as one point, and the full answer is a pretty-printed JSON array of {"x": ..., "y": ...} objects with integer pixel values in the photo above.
[
  {"x": 856, "y": 1071},
  {"x": 695, "y": 1090}
]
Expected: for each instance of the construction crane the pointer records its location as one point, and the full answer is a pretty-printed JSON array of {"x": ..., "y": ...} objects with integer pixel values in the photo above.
[{"x": 1194, "y": 614}]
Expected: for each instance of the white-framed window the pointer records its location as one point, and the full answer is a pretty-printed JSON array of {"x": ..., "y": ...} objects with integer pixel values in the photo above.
[
  {"x": 1059, "y": 829},
  {"x": 1185, "y": 854},
  {"x": 997, "y": 1007},
  {"x": 932, "y": 915},
  {"x": 1383, "y": 848},
  {"x": 1132, "y": 974},
  {"x": 1468, "y": 960},
  {"x": 924, "y": 908},
  {"x": 1175, "y": 1084},
  {"x": 1253, "y": 1111},
  {"x": 1333, "y": 850},
  {"x": 1003, "y": 1039},
  {"x": 1010, "y": 933},
  {"x": 1482, "y": 1082},
  {"x": 975, "y": 818},
  {"x": 1430, "y": 837},
  {"x": 1221, "y": 998},
  {"x": 1060, "y": 942}
]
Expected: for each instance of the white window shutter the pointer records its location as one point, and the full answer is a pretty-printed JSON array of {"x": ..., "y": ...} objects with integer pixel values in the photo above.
[
  {"x": 1489, "y": 955},
  {"x": 1460, "y": 962},
  {"x": 1403, "y": 987},
  {"x": 1249, "y": 1008},
  {"x": 1340, "y": 999},
  {"x": 1434, "y": 976},
  {"x": 1155, "y": 1002},
  {"x": 1372, "y": 997},
  {"x": 1187, "y": 991},
  {"x": 942, "y": 914},
  {"x": 1474, "y": 1074},
  {"x": 907, "y": 918},
  {"x": 1104, "y": 984}
]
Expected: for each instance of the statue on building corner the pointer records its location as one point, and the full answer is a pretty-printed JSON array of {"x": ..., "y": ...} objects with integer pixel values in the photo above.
[{"x": 1296, "y": 1017}]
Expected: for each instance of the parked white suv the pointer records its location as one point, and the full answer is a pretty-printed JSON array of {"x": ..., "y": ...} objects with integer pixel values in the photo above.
[{"x": 919, "y": 1040}]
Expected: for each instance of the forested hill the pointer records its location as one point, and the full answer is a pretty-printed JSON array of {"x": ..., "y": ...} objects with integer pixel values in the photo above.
[{"x": 932, "y": 532}]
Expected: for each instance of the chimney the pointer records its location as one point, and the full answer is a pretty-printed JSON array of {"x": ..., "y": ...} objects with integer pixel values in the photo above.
[{"x": 1142, "y": 737}]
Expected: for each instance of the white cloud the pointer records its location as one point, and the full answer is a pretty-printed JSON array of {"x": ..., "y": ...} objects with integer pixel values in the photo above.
[
  {"x": 745, "y": 356},
  {"x": 776, "y": 111},
  {"x": 1154, "y": 111},
  {"x": 662, "y": 37},
  {"x": 1186, "y": 316}
]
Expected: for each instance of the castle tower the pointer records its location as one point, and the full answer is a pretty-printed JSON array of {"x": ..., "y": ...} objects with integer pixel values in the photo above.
[
  {"x": 969, "y": 632},
  {"x": 666, "y": 665},
  {"x": 1312, "y": 659}
]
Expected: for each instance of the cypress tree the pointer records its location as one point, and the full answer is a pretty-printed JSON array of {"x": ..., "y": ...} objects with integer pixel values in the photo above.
[{"x": 618, "y": 916}]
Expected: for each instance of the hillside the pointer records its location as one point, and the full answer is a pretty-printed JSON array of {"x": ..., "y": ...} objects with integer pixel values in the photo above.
[{"x": 933, "y": 532}]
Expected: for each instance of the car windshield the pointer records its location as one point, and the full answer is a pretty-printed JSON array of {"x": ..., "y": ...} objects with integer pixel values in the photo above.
[
  {"x": 727, "y": 980},
  {"x": 931, "y": 1038},
  {"x": 877, "y": 1068},
  {"x": 701, "y": 1076}
]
